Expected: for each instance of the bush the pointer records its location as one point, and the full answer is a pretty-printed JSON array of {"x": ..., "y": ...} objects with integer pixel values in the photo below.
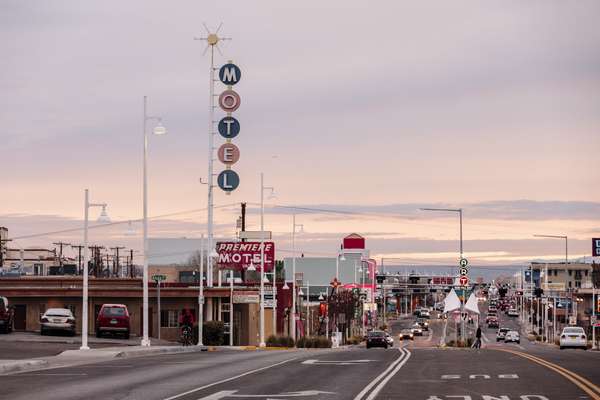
[
  {"x": 280, "y": 341},
  {"x": 314, "y": 342},
  {"x": 461, "y": 343},
  {"x": 354, "y": 340},
  {"x": 213, "y": 333}
]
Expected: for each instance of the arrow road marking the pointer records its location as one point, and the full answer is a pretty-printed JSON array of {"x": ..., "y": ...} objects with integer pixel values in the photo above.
[
  {"x": 232, "y": 393},
  {"x": 332, "y": 362}
]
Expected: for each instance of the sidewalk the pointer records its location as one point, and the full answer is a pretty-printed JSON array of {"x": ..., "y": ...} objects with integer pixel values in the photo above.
[{"x": 79, "y": 357}]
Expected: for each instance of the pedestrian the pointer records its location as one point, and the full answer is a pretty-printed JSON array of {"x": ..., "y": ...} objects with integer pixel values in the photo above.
[{"x": 477, "y": 342}]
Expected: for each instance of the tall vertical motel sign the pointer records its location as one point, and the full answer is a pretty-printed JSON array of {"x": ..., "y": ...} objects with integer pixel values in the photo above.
[{"x": 229, "y": 127}]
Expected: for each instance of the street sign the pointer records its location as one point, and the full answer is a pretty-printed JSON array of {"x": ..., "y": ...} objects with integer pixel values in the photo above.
[
  {"x": 230, "y": 74},
  {"x": 596, "y": 247},
  {"x": 158, "y": 278},
  {"x": 229, "y": 127},
  {"x": 246, "y": 299},
  {"x": 463, "y": 271},
  {"x": 463, "y": 262},
  {"x": 229, "y": 101},
  {"x": 228, "y": 180},
  {"x": 463, "y": 280}
]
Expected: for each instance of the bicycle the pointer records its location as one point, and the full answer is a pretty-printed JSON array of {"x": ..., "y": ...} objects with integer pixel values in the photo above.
[{"x": 186, "y": 337}]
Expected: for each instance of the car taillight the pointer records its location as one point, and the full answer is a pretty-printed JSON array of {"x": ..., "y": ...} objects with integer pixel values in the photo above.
[
  {"x": 563, "y": 336},
  {"x": 71, "y": 320},
  {"x": 583, "y": 336}
]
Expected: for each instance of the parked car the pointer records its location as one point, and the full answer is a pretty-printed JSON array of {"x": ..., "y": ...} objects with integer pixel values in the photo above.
[
  {"x": 114, "y": 319},
  {"x": 389, "y": 339},
  {"x": 406, "y": 334},
  {"x": 57, "y": 319},
  {"x": 417, "y": 330},
  {"x": 7, "y": 316},
  {"x": 573, "y": 336},
  {"x": 512, "y": 336},
  {"x": 501, "y": 334},
  {"x": 377, "y": 339}
]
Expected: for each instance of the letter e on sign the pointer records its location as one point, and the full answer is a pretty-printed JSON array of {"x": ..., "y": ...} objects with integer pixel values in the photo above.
[{"x": 229, "y": 154}]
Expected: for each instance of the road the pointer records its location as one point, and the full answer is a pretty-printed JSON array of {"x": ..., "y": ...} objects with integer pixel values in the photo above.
[{"x": 411, "y": 370}]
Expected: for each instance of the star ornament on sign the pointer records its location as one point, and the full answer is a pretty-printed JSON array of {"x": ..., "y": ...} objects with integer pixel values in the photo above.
[{"x": 212, "y": 38}]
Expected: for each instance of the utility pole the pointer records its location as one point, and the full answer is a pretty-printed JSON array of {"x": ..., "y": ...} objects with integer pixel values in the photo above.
[
  {"x": 116, "y": 260},
  {"x": 131, "y": 271},
  {"x": 79, "y": 248},
  {"x": 60, "y": 251}
]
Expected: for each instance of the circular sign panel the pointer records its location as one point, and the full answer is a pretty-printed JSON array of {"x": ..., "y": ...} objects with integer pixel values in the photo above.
[
  {"x": 229, "y": 127},
  {"x": 464, "y": 262},
  {"x": 229, "y": 153},
  {"x": 463, "y": 280},
  {"x": 230, "y": 74},
  {"x": 228, "y": 180},
  {"x": 229, "y": 101},
  {"x": 463, "y": 271}
]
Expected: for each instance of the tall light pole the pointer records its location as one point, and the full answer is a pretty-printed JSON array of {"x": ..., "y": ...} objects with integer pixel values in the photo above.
[
  {"x": 158, "y": 130},
  {"x": 84, "y": 311},
  {"x": 262, "y": 262},
  {"x": 462, "y": 303},
  {"x": 201, "y": 293},
  {"x": 566, "y": 262},
  {"x": 212, "y": 40},
  {"x": 293, "y": 322}
]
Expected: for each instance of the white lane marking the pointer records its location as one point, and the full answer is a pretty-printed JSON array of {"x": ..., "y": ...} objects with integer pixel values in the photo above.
[
  {"x": 229, "y": 379},
  {"x": 332, "y": 362},
  {"x": 485, "y": 339},
  {"x": 382, "y": 375},
  {"x": 450, "y": 376},
  {"x": 232, "y": 393},
  {"x": 107, "y": 366},
  {"x": 381, "y": 385},
  {"x": 40, "y": 374}
]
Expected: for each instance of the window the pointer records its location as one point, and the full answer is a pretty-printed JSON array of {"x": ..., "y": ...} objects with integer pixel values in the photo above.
[
  {"x": 570, "y": 284},
  {"x": 169, "y": 318},
  {"x": 570, "y": 272}
]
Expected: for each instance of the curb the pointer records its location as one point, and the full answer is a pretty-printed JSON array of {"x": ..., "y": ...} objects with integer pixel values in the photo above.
[{"x": 21, "y": 365}]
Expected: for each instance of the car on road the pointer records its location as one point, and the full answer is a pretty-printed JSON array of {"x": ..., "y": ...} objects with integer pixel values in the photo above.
[
  {"x": 501, "y": 334},
  {"x": 573, "y": 336},
  {"x": 389, "y": 339},
  {"x": 6, "y": 316},
  {"x": 423, "y": 323},
  {"x": 377, "y": 339},
  {"x": 490, "y": 316},
  {"x": 113, "y": 319},
  {"x": 512, "y": 336},
  {"x": 513, "y": 312},
  {"x": 417, "y": 330},
  {"x": 493, "y": 322},
  {"x": 57, "y": 320},
  {"x": 424, "y": 314},
  {"x": 406, "y": 334}
]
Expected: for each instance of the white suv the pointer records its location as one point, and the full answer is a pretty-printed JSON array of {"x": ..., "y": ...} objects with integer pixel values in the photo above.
[{"x": 573, "y": 336}]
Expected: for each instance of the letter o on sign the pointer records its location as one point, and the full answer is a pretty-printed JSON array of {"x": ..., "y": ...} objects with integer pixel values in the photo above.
[
  {"x": 229, "y": 101},
  {"x": 229, "y": 154}
]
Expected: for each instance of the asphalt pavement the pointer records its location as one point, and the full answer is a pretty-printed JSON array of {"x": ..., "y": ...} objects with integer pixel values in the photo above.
[{"x": 412, "y": 370}]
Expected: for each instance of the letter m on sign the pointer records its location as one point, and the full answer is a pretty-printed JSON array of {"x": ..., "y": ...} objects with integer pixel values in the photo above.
[{"x": 229, "y": 74}]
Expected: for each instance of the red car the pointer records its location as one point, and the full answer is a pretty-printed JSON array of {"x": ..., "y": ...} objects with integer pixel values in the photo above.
[
  {"x": 114, "y": 319},
  {"x": 6, "y": 316}
]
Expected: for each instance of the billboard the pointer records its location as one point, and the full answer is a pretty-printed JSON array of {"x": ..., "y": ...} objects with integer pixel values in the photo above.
[
  {"x": 239, "y": 255},
  {"x": 596, "y": 247}
]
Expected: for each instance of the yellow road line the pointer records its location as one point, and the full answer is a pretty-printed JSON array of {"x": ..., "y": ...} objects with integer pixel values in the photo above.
[{"x": 585, "y": 385}]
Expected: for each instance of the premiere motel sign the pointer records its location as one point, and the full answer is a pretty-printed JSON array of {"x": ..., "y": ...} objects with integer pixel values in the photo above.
[
  {"x": 229, "y": 127},
  {"x": 239, "y": 255}
]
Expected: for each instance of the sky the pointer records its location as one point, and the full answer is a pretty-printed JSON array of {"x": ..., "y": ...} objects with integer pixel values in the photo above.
[{"x": 372, "y": 108}]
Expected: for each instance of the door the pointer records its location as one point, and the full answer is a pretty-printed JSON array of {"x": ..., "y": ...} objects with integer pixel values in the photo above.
[{"x": 20, "y": 317}]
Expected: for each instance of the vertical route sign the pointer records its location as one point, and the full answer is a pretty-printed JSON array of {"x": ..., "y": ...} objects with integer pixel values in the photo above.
[{"x": 229, "y": 127}]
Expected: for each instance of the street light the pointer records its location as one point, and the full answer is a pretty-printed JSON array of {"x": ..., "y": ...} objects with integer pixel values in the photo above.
[
  {"x": 262, "y": 264},
  {"x": 566, "y": 267},
  {"x": 459, "y": 211},
  {"x": 293, "y": 319},
  {"x": 158, "y": 130},
  {"x": 84, "y": 312}
]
